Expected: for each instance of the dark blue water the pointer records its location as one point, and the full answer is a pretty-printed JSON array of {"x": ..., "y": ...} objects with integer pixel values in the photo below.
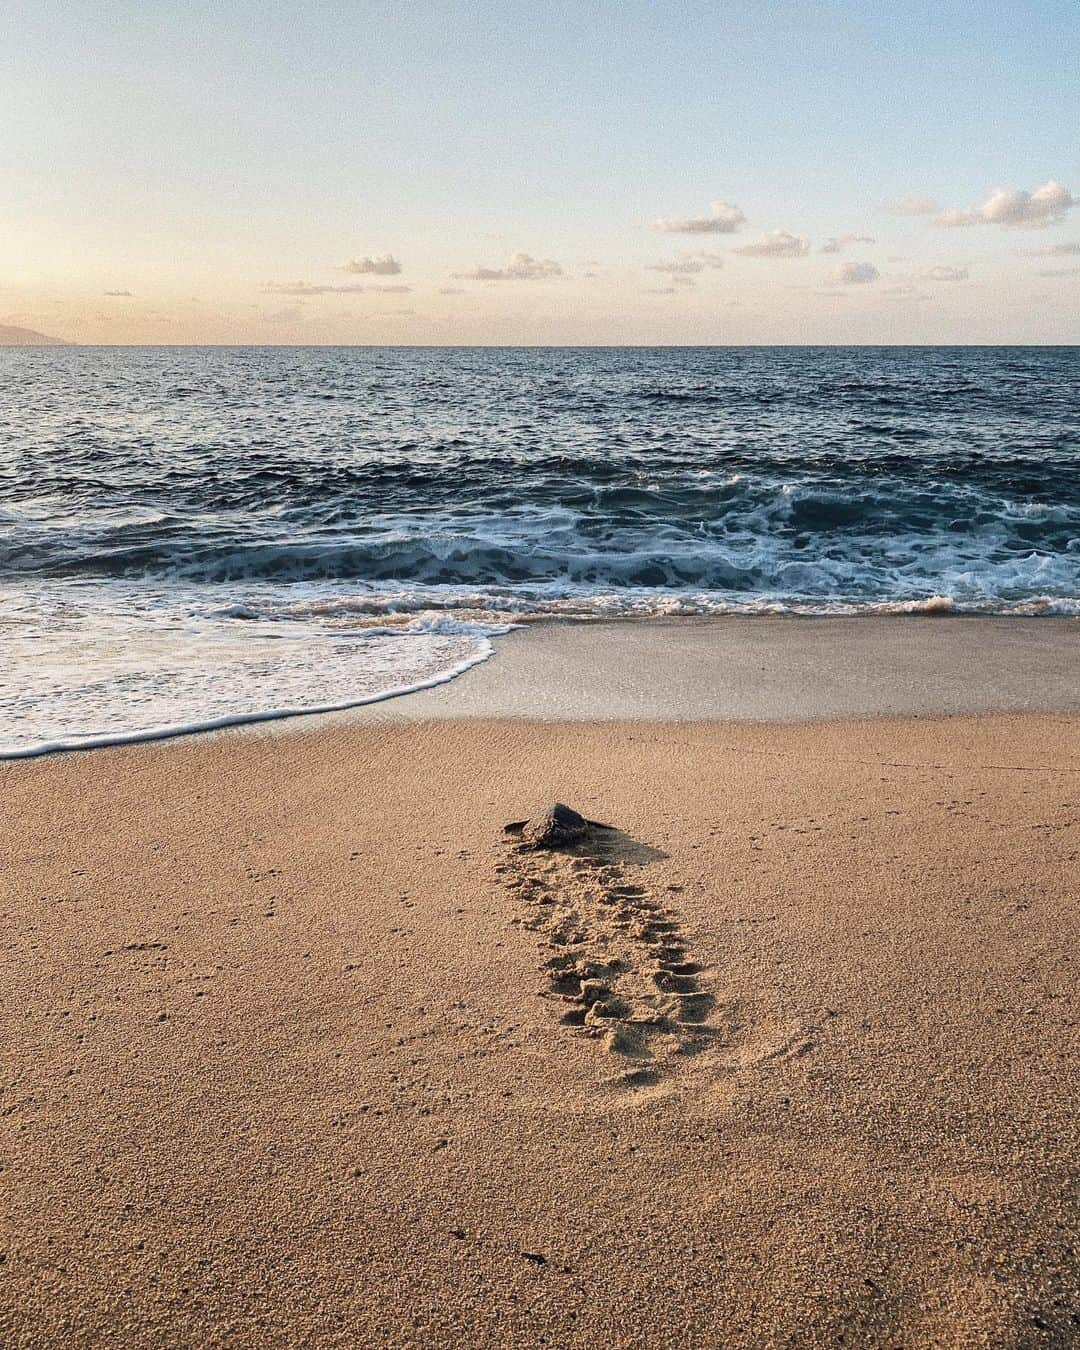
[
  {"x": 323, "y": 490},
  {"x": 798, "y": 475}
]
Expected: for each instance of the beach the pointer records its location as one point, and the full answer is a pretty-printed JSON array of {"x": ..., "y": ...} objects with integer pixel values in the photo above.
[{"x": 298, "y": 1048}]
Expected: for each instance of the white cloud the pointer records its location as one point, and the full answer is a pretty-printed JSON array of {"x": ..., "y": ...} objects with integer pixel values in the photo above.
[
  {"x": 521, "y": 267},
  {"x": 386, "y": 266},
  {"x": 451, "y": 290},
  {"x": 856, "y": 273},
  {"x": 778, "y": 244},
  {"x": 681, "y": 267},
  {"x": 688, "y": 264},
  {"x": 302, "y": 288},
  {"x": 659, "y": 290},
  {"x": 841, "y": 242},
  {"x": 1069, "y": 250},
  {"x": 1061, "y": 272},
  {"x": 291, "y": 315},
  {"x": 946, "y": 274},
  {"x": 916, "y": 206},
  {"x": 121, "y": 294},
  {"x": 1015, "y": 209},
  {"x": 725, "y": 219},
  {"x": 305, "y": 289}
]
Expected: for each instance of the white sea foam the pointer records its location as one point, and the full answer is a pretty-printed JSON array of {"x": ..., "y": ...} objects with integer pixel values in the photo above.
[
  {"x": 92, "y": 665},
  {"x": 85, "y": 669}
]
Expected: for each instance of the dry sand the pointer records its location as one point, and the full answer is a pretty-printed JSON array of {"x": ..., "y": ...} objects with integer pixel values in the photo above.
[{"x": 285, "y": 1059}]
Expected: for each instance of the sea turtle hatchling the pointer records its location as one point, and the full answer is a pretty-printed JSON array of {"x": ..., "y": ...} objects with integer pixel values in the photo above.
[{"x": 558, "y": 827}]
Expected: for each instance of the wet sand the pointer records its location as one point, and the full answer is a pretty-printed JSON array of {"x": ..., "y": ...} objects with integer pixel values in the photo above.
[
  {"x": 760, "y": 670},
  {"x": 296, "y": 1049}
]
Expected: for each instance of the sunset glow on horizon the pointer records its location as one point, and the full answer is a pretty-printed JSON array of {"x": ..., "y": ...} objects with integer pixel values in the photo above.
[{"x": 581, "y": 174}]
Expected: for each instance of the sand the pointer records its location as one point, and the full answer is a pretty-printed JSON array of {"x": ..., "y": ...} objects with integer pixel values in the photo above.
[
  {"x": 761, "y": 670},
  {"x": 296, "y": 1048}
]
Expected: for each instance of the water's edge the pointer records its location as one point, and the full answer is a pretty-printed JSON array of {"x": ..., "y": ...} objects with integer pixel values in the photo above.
[{"x": 767, "y": 669}]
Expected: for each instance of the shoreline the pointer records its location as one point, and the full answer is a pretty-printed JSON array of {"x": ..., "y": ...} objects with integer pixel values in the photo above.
[
  {"x": 727, "y": 668},
  {"x": 760, "y": 670},
  {"x": 764, "y": 669}
]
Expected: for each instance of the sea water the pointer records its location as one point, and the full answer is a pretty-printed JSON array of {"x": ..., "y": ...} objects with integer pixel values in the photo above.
[{"x": 192, "y": 537}]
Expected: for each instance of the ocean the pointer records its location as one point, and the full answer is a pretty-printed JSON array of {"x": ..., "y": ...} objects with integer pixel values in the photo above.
[{"x": 193, "y": 537}]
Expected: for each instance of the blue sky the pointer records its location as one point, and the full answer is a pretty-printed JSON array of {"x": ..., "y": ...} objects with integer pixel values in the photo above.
[{"x": 197, "y": 154}]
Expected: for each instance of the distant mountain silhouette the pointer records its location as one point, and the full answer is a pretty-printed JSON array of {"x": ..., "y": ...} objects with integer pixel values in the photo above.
[{"x": 27, "y": 337}]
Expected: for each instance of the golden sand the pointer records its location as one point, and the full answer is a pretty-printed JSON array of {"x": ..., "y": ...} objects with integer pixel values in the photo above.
[{"x": 298, "y": 1050}]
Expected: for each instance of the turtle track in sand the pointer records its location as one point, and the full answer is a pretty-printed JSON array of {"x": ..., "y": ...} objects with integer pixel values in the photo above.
[{"x": 618, "y": 966}]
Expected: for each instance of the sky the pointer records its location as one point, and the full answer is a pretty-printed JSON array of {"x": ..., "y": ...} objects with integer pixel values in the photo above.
[{"x": 604, "y": 171}]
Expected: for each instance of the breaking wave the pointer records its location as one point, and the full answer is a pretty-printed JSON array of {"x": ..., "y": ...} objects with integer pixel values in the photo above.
[{"x": 189, "y": 536}]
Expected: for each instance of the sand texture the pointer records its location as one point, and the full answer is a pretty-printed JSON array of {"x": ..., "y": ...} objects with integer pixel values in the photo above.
[{"x": 298, "y": 1048}]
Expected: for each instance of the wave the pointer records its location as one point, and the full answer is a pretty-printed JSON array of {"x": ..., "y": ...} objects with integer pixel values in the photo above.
[
  {"x": 495, "y": 612},
  {"x": 738, "y": 537},
  {"x": 107, "y": 666},
  {"x": 994, "y": 561},
  {"x": 164, "y": 731}
]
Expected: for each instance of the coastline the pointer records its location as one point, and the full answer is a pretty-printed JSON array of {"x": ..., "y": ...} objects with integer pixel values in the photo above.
[
  {"x": 284, "y": 1060},
  {"x": 762, "y": 669},
  {"x": 723, "y": 668}
]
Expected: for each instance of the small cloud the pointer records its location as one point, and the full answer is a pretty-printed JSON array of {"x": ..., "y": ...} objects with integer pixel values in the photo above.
[
  {"x": 1015, "y": 209},
  {"x": 915, "y": 206},
  {"x": 683, "y": 267},
  {"x": 292, "y": 315},
  {"x": 838, "y": 244},
  {"x": 121, "y": 294},
  {"x": 451, "y": 290},
  {"x": 1055, "y": 251},
  {"x": 946, "y": 274},
  {"x": 386, "y": 266},
  {"x": 856, "y": 273},
  {"x": 659, "y": 290},
  {"x": 688, "y": 265},
  {"x": 302, "y": 288},
  {"x": 1061, "y": 272},
  {"x": 725, "y": 218},
  {"x": 521, "y": 267},
  {"x": 778, "y": 244}
]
